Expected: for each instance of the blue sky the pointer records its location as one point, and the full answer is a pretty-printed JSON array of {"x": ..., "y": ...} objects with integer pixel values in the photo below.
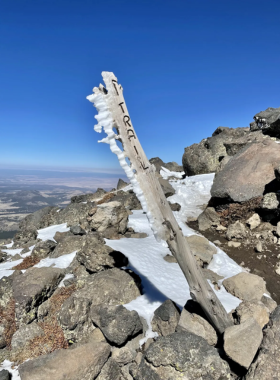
[{"x": 187, "y": 67}]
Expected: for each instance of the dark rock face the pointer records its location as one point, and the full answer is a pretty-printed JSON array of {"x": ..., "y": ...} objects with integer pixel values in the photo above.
[
  {"x": 68, "y": 245},
  {"x": 267, "y": 364},
  {"x": 35, "y": 220},
  {"x": 182, "y": 355},
  {"x": 116, "y": 322},
  {"x": 121, "y": 184},
  {"x": 32, "y": 288},
  {"x": 166, "y": 318},
  {"x": 268, "y": 122},
  {"x": 24, "y": 236},
  {"x": 5, "y": 375},
  {"x": 206, "y": 156},
  {"x": 77, "y": 230},
  {"x": 249, "y": 173},
  {"x": 83, "y": 362}
]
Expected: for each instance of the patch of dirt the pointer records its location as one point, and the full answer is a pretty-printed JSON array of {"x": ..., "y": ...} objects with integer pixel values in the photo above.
[
  {"x": 27, "y": 262},
  {"x": 106, "y": 198},
  {"x": 231, "y": 212},
  {"x": 8, "y": 319},
  {"x": 248, "y": 258}
]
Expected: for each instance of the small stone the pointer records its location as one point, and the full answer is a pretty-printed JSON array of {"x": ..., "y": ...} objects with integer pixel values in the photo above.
[
  {"x": 234, "y": 244},
  {"x": 208, "y": 218},
  {"x": 258, "y": 247},
  {"x": 166, "y": 318},
  {"x": 254, "y": 221},
  {"x": 221, "y": 228},
  {"x": 217, "y": 242},
  {"x": 77, "y": 230},
  {"x": 236, "y": 230},
  {"x": 241, "y": 342},
  {"x": 270, "y": 201},
  {"x": 255, "y": 309},
  {"x": 170, "y": 259}
]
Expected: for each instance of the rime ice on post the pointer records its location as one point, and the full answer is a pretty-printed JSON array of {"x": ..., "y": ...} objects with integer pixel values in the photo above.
[{"x": 113, "y": 113}]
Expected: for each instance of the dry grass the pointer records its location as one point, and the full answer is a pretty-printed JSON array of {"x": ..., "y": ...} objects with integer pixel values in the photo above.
[
  {"x": 106, "y": 198},
  {"x": 53, "y": 337},
  {"x": 232, "y": 212},
  {"x": 8, "y": 319},
  {"x": 27, "y": 262}
]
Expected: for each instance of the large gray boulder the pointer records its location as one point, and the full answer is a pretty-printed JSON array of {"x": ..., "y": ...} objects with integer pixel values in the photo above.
[
  {"x": 268, "y": 122},
  {"x": 267, "y": 364},
  {"x": 24, "y": 334},
  {"x": 109, "y": 215},
  {"x": 206, "y": 156},
  {"x": 68, "y": 245},
  {"x": 245, "y": 286},
  {"x": 31, "y": 289},
  {"x": 111, "y": 287},
  {"x": 43, "y": 249},
  {"x": 182, "y": 356},
  {"x": 241, "y": 342},
  {"x": 83, "y": 362},
  {"x": 248, "y": 173},
  {"x": 116, "y": 322}
]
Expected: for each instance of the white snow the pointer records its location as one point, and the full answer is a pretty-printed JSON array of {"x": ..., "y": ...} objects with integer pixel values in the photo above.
[
  {"x": 49, "y": 232},
  {"x": 12, "y": 252},
  {"x": 6, "y": 268},
  {"x": 8, "y": 366},
  {"x": 165, "y": 173},
  {"x": 60, "y": 262},
  {"x": 9, "y": 245}
]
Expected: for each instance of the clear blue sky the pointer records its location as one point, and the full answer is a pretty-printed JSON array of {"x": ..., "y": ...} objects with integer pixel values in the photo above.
[{"x": 186, "y": 67}]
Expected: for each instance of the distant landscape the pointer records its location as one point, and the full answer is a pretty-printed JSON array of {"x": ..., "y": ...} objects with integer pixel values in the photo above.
[{"x": 25, "y": 191}]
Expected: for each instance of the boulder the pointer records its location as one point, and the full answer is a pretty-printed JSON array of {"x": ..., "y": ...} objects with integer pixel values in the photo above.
[
  {"x": 5, "y": 375},
  {"x": 245, "y": 286},
  {"x": 59, "y": 236},
  {"x": 236, "y": 230},
  {"x": 31, "y": 289},
  {"x": 241, "y": 342},
  {"x": 267, "y": 364},
  {"x": 206, "y": 156},
  {"x": 73, "y": 213},
  {"x": 116, "y": 322},
  {"x": 172, "y": 166},
  {"x": 111, "y": 287},
  {"x": 239, "y": 181},
  {"x": 197, "y": 325},
  {"x": 96, "y": 256},
  {"x": 207, "y": 219},
  {"x": 43, "y": 249},
  {"x": 77, "y": 230},
  {"x": 83, "y": 362},
  {"x": 269, "y": 303},
  {"x": 24, "y": 236},
  {"x": 166, "y": 187},
  {"x": 166, "y": 318},
  {"x": 112, "y": 214},
  {"x": 24, "y": 334},
  {"x": 111, "y": 370},
  {"x": 201, "y": 249},
  {"x": 6, "y": 291},
  {"x": 121, "y": 184},
  {"x": 250, "y": 309},
  {"x": 268, "y": 122},
  {"x": 182, "y": 356},
  {"x": 73, "y": 317},
  {"x": 254, "y": 221},
  {"x": 68, "y": 245}
]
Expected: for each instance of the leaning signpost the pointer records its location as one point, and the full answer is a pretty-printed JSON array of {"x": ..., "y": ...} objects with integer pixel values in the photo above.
[{"x": 113, "y": 114}]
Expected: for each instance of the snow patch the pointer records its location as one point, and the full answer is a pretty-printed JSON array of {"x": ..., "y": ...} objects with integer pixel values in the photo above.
[
  {"x": 60, "y": 262},
  {"x": 9, "y": 366},
  {"x": 165, "y": 173}
]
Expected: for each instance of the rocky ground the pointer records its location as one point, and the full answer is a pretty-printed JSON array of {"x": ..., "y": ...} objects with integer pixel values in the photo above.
[{"x": 78, "y": 284}]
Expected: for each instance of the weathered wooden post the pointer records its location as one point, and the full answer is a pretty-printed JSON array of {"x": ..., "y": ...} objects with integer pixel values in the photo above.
[{"x": 113, "y": 113}]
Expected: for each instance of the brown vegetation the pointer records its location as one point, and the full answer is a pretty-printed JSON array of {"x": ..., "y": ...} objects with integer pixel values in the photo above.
[
  {"x": 106, "y": 198},
  {"x": 8, "y": 319},
  {"x": 27, "y": 262}
]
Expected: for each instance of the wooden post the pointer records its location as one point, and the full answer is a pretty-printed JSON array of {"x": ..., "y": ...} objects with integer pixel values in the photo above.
[{"x": 159, "y": 212}]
